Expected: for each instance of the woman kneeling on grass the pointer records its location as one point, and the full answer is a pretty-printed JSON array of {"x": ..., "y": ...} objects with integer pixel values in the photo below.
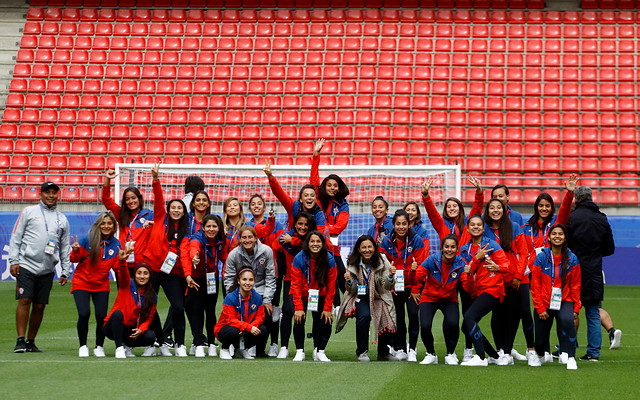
[
  {"x": 128, "y": 322},
  {"x": 369, "y": 280},
  {"x": 555, "y": 290},
  {"x": 241, "y": 321}
]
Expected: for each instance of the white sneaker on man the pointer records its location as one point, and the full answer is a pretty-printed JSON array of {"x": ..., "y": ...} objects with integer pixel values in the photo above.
[
  {"x": 225, "y": 354},
  {"x": 412, "y": 356},
  {"x": 563, "y": 358},
  {"x": 505, "y": 359},
  {"x": 548, "y": 358},
  {"x": 534, "y": 360},
  {"x": 517, "y": 356},
  {"x": 199, "y": 352},
  {"x": 571, "y": 363},
  {"x": 476, "y": 361},
  {"x": 451, "y": 359},
  {"x": 246, "y": 354},
  {"x": 181, "y": 350},
  {"x": 213, "y": 350},
  {"x": 273, "y": 350},
  {"x": 164, "y": 350},
  {"x": 615, "y": 341},
  {"x": 129, "y": 351},
  {"x": 429, "y": 359},
  {"x": 467, "y": 354},
  {"x": 121, "y": 352},
  {"x": 83, "y": 351},
  {"x": 98, "y": 351},
  {"x": 283, "y": 353},
  {"x": 364, "y": 357},
  {"x": 299, "y": 355},
  {"x": 149, "y": 351},
  {"x": 321, "y": 356}
]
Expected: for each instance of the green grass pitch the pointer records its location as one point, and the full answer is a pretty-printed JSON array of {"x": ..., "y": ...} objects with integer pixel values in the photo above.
[{"x": 59, "y": 373}]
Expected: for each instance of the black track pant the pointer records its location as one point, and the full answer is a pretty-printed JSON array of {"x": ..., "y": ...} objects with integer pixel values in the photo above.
[
  {"x": 450, "y": 326},
  {"x": 83, "y": 304}
]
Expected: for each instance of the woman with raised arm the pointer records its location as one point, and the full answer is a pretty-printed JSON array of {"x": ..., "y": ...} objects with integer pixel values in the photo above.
[
  {"x": 384, "y": 223},
  {"x": 166, "y": 253},
  {"x": 207, "y": 249},
  {"x": 501, "y": 229},
  {"x": 131, "y": 217},
  {"x": 535, "y": 232},
  {"x": 95, "y": 255},
  {"x": 555, "y": 289},
  {"x": 368, "y": 298},
  {"x": 482, "y": 278},
  {"x": 128, "y": 322},
  {"x": 405, "y": 250}
]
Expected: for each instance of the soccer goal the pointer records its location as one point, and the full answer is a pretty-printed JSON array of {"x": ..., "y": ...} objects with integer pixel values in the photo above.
[{"x": 397, "y": 184}]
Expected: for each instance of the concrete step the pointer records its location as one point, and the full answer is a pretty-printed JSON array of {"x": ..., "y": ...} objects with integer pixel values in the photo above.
[
  {"x": 11, "y": 29},
  {"x": 12, "y": 14}
]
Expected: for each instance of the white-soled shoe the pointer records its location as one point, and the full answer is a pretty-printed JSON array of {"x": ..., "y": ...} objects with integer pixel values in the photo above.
[
  {"x": 252, "y": 351},
  {"x": 531, "y": 353},
  {"x": 299, "y": 355},
  {"x": 430, "y": 359},
  {"x": 517, "y": 356},
  {"x": 181, "y": 350},
  {"x": 83, "y": 351},
  {"x": 571, "y": 363},
  {"x": 476, "y": 361},
  {"x": 336, "y": 312},
  {"x": 149, "y": 351},
  {"x": 548, "y": 358},
  {"x": 192, "y": 350},
  {"x": 563, "y": 358},
  {"x": 283, "y": 353},
  {"x": 451, "y": 359},
  {"x": 401, "y": 355},
  {"x": 129, "y": 351},
  {"x": 273, "y": 350},
  {"x": 615, "y": 341},
  {"x": 505, "y": 359},
  {"x": 213, "y": 350},
  {"x": 225, "y": 354},
  {"x": 314, "y": 354},
  {"x": 412, "y": 356},
  {"x": 99, "y": 351},
  {"x": 321, "y": 356},
  {"x": 364, "y": 357},
  {"x": 121, "y": 352},
  {"x": 246, "y": 354},
  {"x": 165, "y": 351},
  {"x": 534, "y": 360},
  {"x": 199, "y": 352},
  {"x": 467, "y": 354}
]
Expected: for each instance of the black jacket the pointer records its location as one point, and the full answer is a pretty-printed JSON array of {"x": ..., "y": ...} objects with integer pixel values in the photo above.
[{"x": 590, "y": 238}]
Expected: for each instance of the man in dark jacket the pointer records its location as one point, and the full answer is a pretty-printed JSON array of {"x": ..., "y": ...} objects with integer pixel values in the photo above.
[{"x": 590, "y": 238}]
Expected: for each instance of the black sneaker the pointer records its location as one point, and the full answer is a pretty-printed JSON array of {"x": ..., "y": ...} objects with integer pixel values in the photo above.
[
  {"x": 21, "y": 346},
  {"x": 556, "y": 354},
  {"x": 32, "y": 348},
  {"x": 589, "y": 357},
  {"x": 169, "y": 341}
]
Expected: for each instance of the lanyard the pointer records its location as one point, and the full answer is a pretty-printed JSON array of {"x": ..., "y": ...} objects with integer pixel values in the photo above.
[
  {"x": 246, "y": 307},
  {"x": 366, "y": 272},
  {"x": 131, "y": 225},
  {"x": 103, "y": 245},
  {"x": 406, "y": 253},
  {"x": 46, "y": 225},
  {"x": 139, "y": 304},
  {"x": 215, "y": 257}
]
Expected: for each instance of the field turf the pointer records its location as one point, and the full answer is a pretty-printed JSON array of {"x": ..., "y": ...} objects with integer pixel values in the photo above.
[{"x": 59, "y": 373}]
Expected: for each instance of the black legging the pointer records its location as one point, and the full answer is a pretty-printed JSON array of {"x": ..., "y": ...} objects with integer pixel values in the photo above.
[
  {"x": 230, "y": 335},
  {"x": 478, "y": 309},
  {"x": 120, "y": 333},
  {"x": 340, "y": 281},
  {"x": 465, "y": 303},
  {"x": 450, "y": 326},
  {"x": 564, "y": 326},
  {"x": 523, "y": 306},
  {"x": 198, "y": 303},
  {"x": 100, "y": 306},
  {"x": 402, "y": 300},
  {"x": 286, "y": 318},
  {"x": 321, "y": 330},
  {"x": 363, "y": 321},
  {"x": 172, "y": 286},
  {"x": 502, "y": 321}
]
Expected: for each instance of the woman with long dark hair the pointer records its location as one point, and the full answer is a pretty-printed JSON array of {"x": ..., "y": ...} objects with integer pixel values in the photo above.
[
  {"x": 95, "y": 256},
  {"x": 199, "y": 207},
  {"x": 313, "y": 283},
  {"x": 555, "y": 289},
  {"x": 368, "y": 297}
]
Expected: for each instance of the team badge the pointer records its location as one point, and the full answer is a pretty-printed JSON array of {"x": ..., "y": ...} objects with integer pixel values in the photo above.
[
  {"x": 143, "y": 220},
  {"x": 111, "y": 252},
  {"x": 261, "y": 260},
  {"x": 409, "y": 249},
  {"x": 253, "y": 306},
  {"x": 21, "y": 290},
  {"x": 454, "y": 275}
]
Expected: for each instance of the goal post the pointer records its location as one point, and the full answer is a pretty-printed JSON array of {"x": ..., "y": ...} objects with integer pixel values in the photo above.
[{"x": 397, "y": 184}]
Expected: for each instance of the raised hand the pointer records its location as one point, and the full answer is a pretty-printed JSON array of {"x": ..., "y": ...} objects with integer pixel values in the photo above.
[
  {"x": 75, "y": 245},
  {"x": 467, "y": 268},
  {"x": 318, "y": 146},
  {"x": 155, "y": 171},
  {"x": 392, "y": 269},
  {"x": 147, "y": 224},
  {"x": 109, "y": 175},
  {"x": 414, "y": 265},
  {"x": 347, "y": 277},
  {"x": 272, "y": 215},
  {"x": 425, "y": 186},
  {"x": 191, "y": 283},
  {"x": 267, "y": 169},
  {"x": 483, "y": 252},
  {"x": 475, "y": 182},
  {"x": 196, "y": 259},
  {"x": 572, "y": 182}
]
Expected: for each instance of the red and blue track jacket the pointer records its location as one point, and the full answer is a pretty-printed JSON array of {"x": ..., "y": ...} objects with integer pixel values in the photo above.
[
  {"x": 302, "y": 279},
  {"x": 518, "y": 255},
  {"x": 437, "y": 281},
  {"x": 381, "y": 229},
  {"x": 210, "y": 255},
  {"x": 446, "y": 226},
  {"x": 546, "y": 273},
  {"x": 480, "y": 280},
  {"x": 241, "y": 313},
  {"x": 402, "y": 254},
  {"x": 94, "y": 278},
  {"x": 294, "y": 207}
]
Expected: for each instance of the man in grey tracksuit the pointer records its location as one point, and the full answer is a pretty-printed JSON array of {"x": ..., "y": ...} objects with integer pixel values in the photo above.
[
  {"x": 40, "y": 239},
  {"x": 252, "y": 253}
]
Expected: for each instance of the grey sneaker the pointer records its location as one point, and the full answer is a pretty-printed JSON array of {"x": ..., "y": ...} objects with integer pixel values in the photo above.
[{"x": 364, "y": 357}]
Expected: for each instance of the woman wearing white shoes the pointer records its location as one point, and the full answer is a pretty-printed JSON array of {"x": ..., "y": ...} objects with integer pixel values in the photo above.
[
  {"x": 369, "y": 280},
  {"x": 128, "y": 322},
  {"x": 436, "y": 289},
  {"x": 241, "y": 321},
  {"x": 555, "y": 290},
  {"x": 313, "y": 285},
  {"x": 94, "y": 255}
]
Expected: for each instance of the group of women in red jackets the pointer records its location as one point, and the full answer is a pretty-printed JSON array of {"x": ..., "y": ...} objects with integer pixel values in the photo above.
[{"x": 489, "y": 260}]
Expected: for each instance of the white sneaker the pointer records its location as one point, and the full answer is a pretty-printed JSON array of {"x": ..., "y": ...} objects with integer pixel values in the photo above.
[
  {"x": 129, "y": 352},
  {"x": 364, "y": 357},
  {"x": 490, "y": 360},
  {"x": 412, "y": 356},
  {"x": 531, "y": 353},
  {"x": 121, "y": 352},
  {"x": 547, "y": 358},
  {"x": 563, "y": 358},
  {"x": 505, "y": 359},
  {"x": 246, "y": 354},
  {"x": 615, "y": 343},
  {"x": 517, "y": 356},
  {"x": 401, "y": 355},
  {"x": 534, "y": 360},
  {"x": 275, "y": 316},
  {"x": 475, "y": 361},
  {"x": 98, "y": 351},
  {"x": 571, "y": 363},
  {"x": 321, "y": 356},
  {"x": 199, "y": 352},
  {"x": 336, "y": 312},
  {"x": 165, "y": 351},
  {"x": 252, "y": 351},
  {"x": 450, "y": 359},
  {"x": 299, "y": 355},
  {"x": 213, "y": 350},
  {"x": 314, "y": 354},
  {"x": 149, "y": 351},
  {"x": 430, "y": 359},
  {"x": 273, "y": 350},
  {"x": 192, "y": 350},
  {"x": 225, "y": 354},
  {"x": 467, "y": 354},
  {"x": 283, "y": 353},
  {"x": 181, "y": 350},
  {"x": 232, "y": 350},
  {"x": 83, "y": 351}
]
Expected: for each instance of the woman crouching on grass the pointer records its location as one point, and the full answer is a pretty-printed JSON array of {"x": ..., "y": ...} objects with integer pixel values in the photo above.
[
  {"x": 241, "y": 321},
  {"x": 128, "y": 322},
  {"x": 555, "y": 290},
  {"x": 369, "y": 279}
]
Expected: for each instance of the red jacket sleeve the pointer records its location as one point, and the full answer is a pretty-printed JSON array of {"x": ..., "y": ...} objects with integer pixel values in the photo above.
[
  {"x": 331, "y": 288},
  {"x": 500, "y": 258},
  {"x": 419, "y": 255},
  {"x": 536, "y": 289},
  {"x": 478, "y": 203},
  {"x": 283, "y": 198},
  {"x": 436, "y": 219},
  {"x": 297, "y": 283},
  {"x": 108, "y": 202},
  {"x": 420, "y": 279},
  {"x": 124, "y": 279},
  {"x": 258, "y": 319},
  {"x": 523, "y": 256},
  {"x": 185, "y": 260},
  {"x": 77, "y": 256},
  {"x": 342, "y": 220},
  {"x": 315, "y": 173},
  {"x": 265, "y": 230},
  {"x": 565, "y": 209},
  {"x": 145, "y": 325},
  {"x": 574, "y": 285},
  {"x": 159, "y": 211},
  {"x": 230, "y": 318}
]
